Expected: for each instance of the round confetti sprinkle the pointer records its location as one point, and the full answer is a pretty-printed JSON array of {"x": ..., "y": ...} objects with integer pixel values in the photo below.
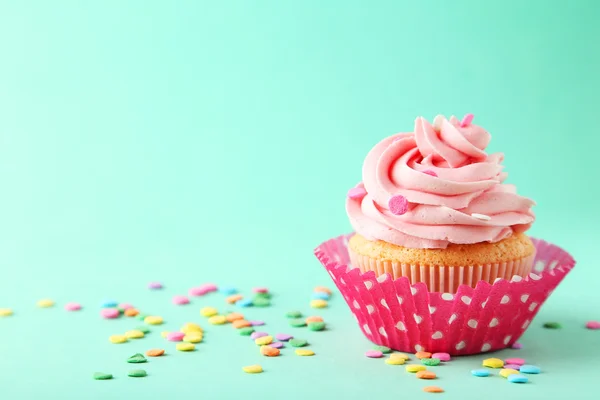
[
  {"x": 318, "y": 303},
  {"x": 175, "y": 336},
  {"x": 283, "y": 337},
  {"x": 134, "y": 334},
  {"x": 137, "y": 373},
  {"x": 241, "y": 323},
  {"x": 320, "y": 296},
  {"x": 433, "y": 389},
  {"x": 233, "y": 298},
  {"x": 116, "y": 339},
  {"x": 217, "y": 320},
  {"x": 517, "y": 361},
  {"x": 517, "y": 378},
  {"x": 208, "y": 311},
  {"x": 153, "y": 320},
  {"x": 276, "y": 345},
  {"x": 512, "y": 366},
  {"x": 313, "y": 319},
  {"x": 5, "y": 312},
  {"x": 144, "y": 329},
  {"x": 430, "y": 362},
  {"x": 297, "y": 322},
  {"x": 480, "y": 372},
  {"x": 72, "y": 306},
  {"x": 529, "y": 369},
  {"x": 141, "y": 317},
  {"x": 260, "y": 289},
  {"x": 441, "y": 356},
  {"x": 265, "y": 295},
  {"x": 183, "y": 346},
  {"x": 402, "y": 356},
  {"x": 155, "y": 352},
  {"x": 516, "y": 346},
  {"x": 383, "y": 349},
  {"x": 506, "y": 372},
  {"x": 256, "y": 335},
  {"x": 593, "y": 325},
  {"x": 109, "y": 304},
  {"x": 493, "y": 363},
  {"x": 373, "y": 354},
  {"x": 247, "y": 331},
  {"x": 298, "y": 342},
  {"x": 155, "y": 285},
  {"x": 228, "y": 290},
  {"x": 398, "y": 205},
  {"x": 357, "y": 193},
  {"x": 191, "y": 327},
  {"x": 137, "y": 359},
  {"x": 552, "y": 325},
  {"x": 45, "y": 303},
  {"x": 102, "y": 376},
  {"x": 131, "y": 312},
  {"x": 252, "y": 369},
  {"x": 261, "y": 302},
  {"x": 264, "y": 340},
  {"x": 422, "y": 354},
  {"x": 316, "y": 326},
  {"x": 395, "y": 361},
  {"x": 109, "y": 313},
  {"x": 234, "y": 316},
  {"x": 293, "y": 314},
  {"x": 257, "y": 323},
  {"x": 244, "y": 303},
  {"x": 415, "y": 368},
  {"x": 193, "y": 337},
  {"x": 180, "y": 300},
  {"x": 304, "y": 352},
  {"x": 322, "y": 289},
  {"x": 125, "y": 306},
  {"x": 426, "y": 375},
  {"x": 269, "y": 351}
]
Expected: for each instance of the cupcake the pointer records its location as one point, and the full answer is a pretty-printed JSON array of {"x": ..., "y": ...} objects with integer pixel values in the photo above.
[
  {"x": 439, "y": 260},
  {"x": 433, "y": 207}
]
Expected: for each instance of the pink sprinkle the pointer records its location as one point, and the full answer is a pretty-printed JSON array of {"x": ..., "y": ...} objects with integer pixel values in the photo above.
[
  {"x": 109, "y": 313},
  {"x": 512, "y": 366},
  {"x": 284, "y": 337},
  {"x": 516, "y": 361},
  {"x": 257, "y": 323},
  {"x": 374, "y": 354},
  {"x": 202, "y": 289},
  {"x": 357, "y": 193},
  {"x": 256, "y": 335},
  {"x": 260, "y": 290},
  {"x": 180, "y": 300},
  {"x": 155, "y": 285},
  {"x": 466, "y": 121},
  {"x": 276, "y": 345},
  {"x": 516, "y": 346},
  {"x": 72, "y": 306},
  {"x": 441, "y": 356},
  {"x": 175, "y": 336},
  {"x": 593, "y": 325},
  {"x": 125, "y": 306},
  {"x": 430, "y": 172},
  {"x": 398, "y": 205}
]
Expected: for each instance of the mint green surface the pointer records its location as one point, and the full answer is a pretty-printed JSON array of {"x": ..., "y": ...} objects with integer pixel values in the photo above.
[{"x": 196, "y": 141}]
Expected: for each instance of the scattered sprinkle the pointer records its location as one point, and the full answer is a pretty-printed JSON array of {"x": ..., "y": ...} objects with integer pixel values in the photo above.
[
  {"x": 298, "y": 342},
  {"x": 518, "y": 378},
  {"x": 318, "y": 303},
  {"x": 252, "y": 369},
  {"x": 180, "y": 300},
  {"x": 426, "y": 375},
  {"x": 398, "y": 205},
  {"x": 530, "y": 369},
  {"x": 593, "y": 325},
  {"x": 155, "y": 352},
  {"x": 395, "y": 361},
  {"x": 137, "y": 373},
  {"x": 283, "y": 337},
  {"x": 153, "y": 320},
  {"x": 5, "y": 312},
  {"x": 144, "y": 329},
  {"x": 125, "y": 306},
  {"x": 552, "y": 325},
  {"x": 269, "y": 351},
  {"x": 512, "y": 366},
  {"x": 433, "y": 389},
  {"x": 402, "y": 356},
  {"x": 109, "y": 313},
  {"x": 506, "y": 372},
  {"x": 430, "y": 362},
  {"x": 137, "y": 359},
  {"x": 175, "y": 336},
  {"x": 109, "y": 304},
  {"x": 422, "y": 354},
  {"x": 466, "y": 121},
  {"x": 234, "y": 316},
  {"x": 357, "y": 193},
  {"x": 208, "y": 311},
  {"x": 116, "y": 339},
  {"x": 234, "y": 298},
  {"x": 155, "y": 285},
  {"x": 293, "y": 314},
  {"x": 493, "y": 363},
  {"x": 228, "y": 290},
  {"x": 276, "y": 345},
  {"x": 316, "y": 326},
  {"x": 164, "y": 334},
  {"x": 244, "y": 303},
  {"x": 441, "y": 356},
  {"x": 217, "y": 320},
  {"x": 383, "y": 349},
  {"x": 297, "y": 322},
  {"x": 415, "y": 368},
  {"x": 516, "y": 346},
  {"x": 304, "y": 352},
  {"x": 259, "y": 301},
  {"x": 257, "y": 323},
  {"x": 260, "y": 289},
  {"x": 241, "y": 323},
  {"x": 313, "y": 319},
  {"x": 101, "y": 376},
  {"x": 324, "y": 289},
  {"x": 184, "y": 346},
  {"x": 256, "y": 335},
  {"x": 131, "y": 312},
  {"x": 247, "y": 331},
  {"x": 134, "y": 334},
  {"x": 516, "y": 361},
  {"x": 264, "y": 340},
  {"x": 480, "y": 372},
  {"x": 73, "y": 307},
  {"x": 482, "y": 217},
  {"x": 193, "y": 337},
  {"x": 191, "y": 327},
  {"x": 320, "y": 296},
  {"x": 373, "y": 354}
]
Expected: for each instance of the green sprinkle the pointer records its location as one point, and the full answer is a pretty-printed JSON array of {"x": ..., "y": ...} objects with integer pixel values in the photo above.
[
  {"x": 431, "y": 362},
  {"x": 121, "y": 310},
  {"x": 141, "y": 317},
  {"x": 552, "y": 325},
  {"x": 247, "y": 331},
  {"x": 101, "y": 376},
  {"x": 293, "y": 314},
  {"x": 137, "y": 358},
  {"x": 260, "y": 302},
  {"x": 297, "y": 322},
  {"x": 137, "y": 373},
  {"x": 298, "y": 342},
  {"x": 383, "y": 349},
  {"x": 143, "y": 329},
  {"x": 263, "y": 296},
  {"x": 316, "y": 326}
]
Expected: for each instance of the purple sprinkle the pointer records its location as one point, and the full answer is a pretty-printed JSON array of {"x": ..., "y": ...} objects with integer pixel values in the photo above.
[
  {"x": 155, "y": 285},
  {"x": 512, "y": 366},
  {"x": 257, "y": 323},
  {"x": 283, "y": 337},
  {"x": 256, "y": 335},
  {"x": 516, "y": 346},
  {"x": 276, "y": 345}
]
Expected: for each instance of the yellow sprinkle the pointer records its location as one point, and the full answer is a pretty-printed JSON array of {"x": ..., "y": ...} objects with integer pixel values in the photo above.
[
  {"x": 395, "y": 361},
  {"x": 252, "y": 369},
  {"x": 493, "y": 363},
  {"x": 185, "y": 346},
  {"x": 401, "y": 356},
  {"x": 217, "y": 320},
  {"x": 261, "y": 341},
  {"x": 208, "y": 311},
  {"x": 318, "y": 303},
  {"x": 134, "y": 334},
  {"x": 153, "y": 320},
  {"x": 505, "y": 372},
  {"x": 191, "y": 327},
  {"x": 304, "y": 352},
  {"x": 5, "y": 312},
  {"x": 118, "y": 339},
  {"x": 193, "y": 337},
  {"x": 415, "y": 368},
  {"x": 164, "y": 334},
  {"x": 45, "y": 303}
]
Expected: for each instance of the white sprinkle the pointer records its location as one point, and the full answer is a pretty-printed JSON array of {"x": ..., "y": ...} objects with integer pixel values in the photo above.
[
  {"x": 481, "y": 216},
  {"x": 437, "y": 122}
]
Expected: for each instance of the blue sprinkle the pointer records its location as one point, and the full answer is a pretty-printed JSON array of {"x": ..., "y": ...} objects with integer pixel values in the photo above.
[
  {"x": 228, "y": 290},
  {"x": 109, "y": 304},
  {"x": 480, "y": 372},
  {"x": 517, "y": 378},
  {"x": 244, "y": 303},
  {"x": 530, "y": 369},
  {"x": 320, "y": 296}
]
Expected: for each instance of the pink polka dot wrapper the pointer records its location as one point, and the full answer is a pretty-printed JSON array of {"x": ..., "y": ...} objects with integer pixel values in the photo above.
[{"x": 409, "y": 318}]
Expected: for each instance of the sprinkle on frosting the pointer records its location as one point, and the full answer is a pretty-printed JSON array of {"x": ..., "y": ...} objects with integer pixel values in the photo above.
[
  {"x": 430, "y": 172},
  {"x": 357, "y": 193},
  {"x": 398, "y": 205},
  {"x": 466, "y": 121},
  {"x": 481, "y": 217}
]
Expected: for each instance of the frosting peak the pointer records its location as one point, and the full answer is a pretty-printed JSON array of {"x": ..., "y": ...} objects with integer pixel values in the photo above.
[{"x": 452, "y": 188}]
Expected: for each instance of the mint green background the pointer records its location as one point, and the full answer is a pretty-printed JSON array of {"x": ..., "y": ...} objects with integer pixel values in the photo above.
[{"x": 194, "y": 141}]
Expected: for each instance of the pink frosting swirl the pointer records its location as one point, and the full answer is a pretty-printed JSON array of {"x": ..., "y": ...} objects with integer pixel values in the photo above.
[{"x": 453, "y": 187}]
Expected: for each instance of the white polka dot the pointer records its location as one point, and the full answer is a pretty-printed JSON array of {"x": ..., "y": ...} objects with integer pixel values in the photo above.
[
  {"x": 539, "y": 266},
  {"x": 437, "y": 335},
  {"x": 368, "y": 285},
  {"x": 332, "y": 275},
  {"x": 486, "y": 347},
  {"x": 382, "y": 278},
  {"x": 494, "y": 322},
  {"x": 483, "y": 304},
  {"x": 466, "y": 299},
  {"x": 524, "y": 298},
  {"x": 432, "y": 309},
  {"x": 367, "y": 329},
  {"x": 452, "y": 318},
  {"x": 356, "y": 318},
  {"x": 342, "y": 281},
  {"x": 418, "y": 318},
  {"x": 384, "y": 303},
  {"x": 400, "y": 299},
  {"x": 400, "y": 326},
  {"x": 535, "y": 277},
  {"x": 382, "y": 331},
  {"x": 413, "y": 290},
  {"x": 447, "y": 296},
  {"x": 505, "y": 299},
  {"x": 472, "y": 323},
  {"x": 516, "y": 278},
  {"x": 461, "y": 345},
  {"x": 532, "y": 306},
  {"x": 418, "y": 347},
  {"x": 526, "y": 324},
  {"x": 370, "y": 309},
  {"x": 355, "y": 304},
  {"x": 507, "y": 339}
]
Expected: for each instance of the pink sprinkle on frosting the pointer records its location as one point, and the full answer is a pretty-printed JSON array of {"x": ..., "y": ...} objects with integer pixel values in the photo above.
[
  {"x": 466, "y": 121},
  {"x": 430, "y": 172},
  {"x": 398, "y": 205},
  {"x": 357, "y": 193}
]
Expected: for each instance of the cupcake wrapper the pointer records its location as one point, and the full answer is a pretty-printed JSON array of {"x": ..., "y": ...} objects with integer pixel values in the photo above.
[
  {"x": 409, "y": 318},
  {"x": 444, "y": 279}
]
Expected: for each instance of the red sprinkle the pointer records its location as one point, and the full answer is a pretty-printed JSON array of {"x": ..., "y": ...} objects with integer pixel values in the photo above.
[
  {"x": 398, "y": 205},
  {"x": 593, "y": 325},
  {"x": 430, "y": 172},
  {"x": 466, "y": 121},
  {"x": 260, "y": 290},
  {"x": 357, "y": 193}
]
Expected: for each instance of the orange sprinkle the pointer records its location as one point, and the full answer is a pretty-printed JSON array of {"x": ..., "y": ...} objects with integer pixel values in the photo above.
[
  {"x": 269, "y": 351},
  {"x": 234, "y": 316},
  {"x": 322, "y": 289},
  {"x": 314, "y": 319},
  {"x": 426, "y": 375},
  {"x": 422, "y": 354},
  {"x": 241, "y": 323},
  {"x": 233, "y": 298},
  {"x": 131, "y": 312},
  {"x": 433, "y": 389},
  {"x": 155, "y": 352}
]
